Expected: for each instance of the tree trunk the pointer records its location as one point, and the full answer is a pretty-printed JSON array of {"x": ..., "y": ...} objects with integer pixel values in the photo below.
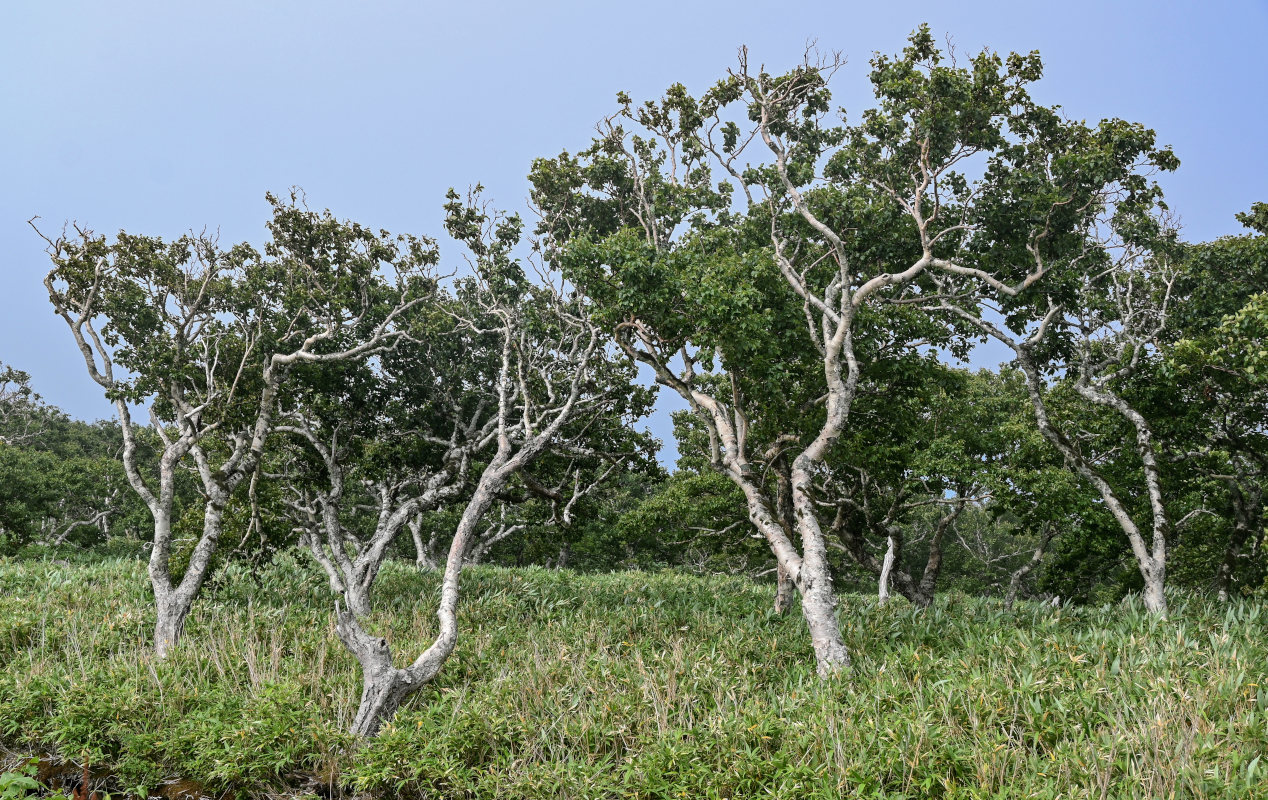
[
  {"x": 1247, "y": 518},
  {"x": 784, "y": 584},
  {"x": 170, "y": 610},
  {"x": 854, "y": 544},
  {"x": 928, "y": 584},
  {"x": 784, "y": 590},
  {"x": 383, "y": 686},
  {"x": 358, "y": 598},
  {"x": 424, "y": 552},
  {"x": 1151, "y": 557},
  {"x": 172, "y": 603},
  {"x": 882, "y": 593},
  {"x": 818, "y": 606},
  {"x": 1228, "y": 564},
  {"x": 1155, "y": 600}
]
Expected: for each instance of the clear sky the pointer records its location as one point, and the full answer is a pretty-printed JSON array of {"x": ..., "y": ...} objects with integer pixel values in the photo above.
[{"x": 159, "y": 117}]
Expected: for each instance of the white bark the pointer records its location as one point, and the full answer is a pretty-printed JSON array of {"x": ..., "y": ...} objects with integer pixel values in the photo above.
[
  {"x": 887, "y": 565},
  {"x": 193, "y": 323},
  {"x": 525, "y": 424},
  {"x": 425, "y": 553},
  {"x": 383, "y": 685},
  {"x": 1150, "y": 555}
]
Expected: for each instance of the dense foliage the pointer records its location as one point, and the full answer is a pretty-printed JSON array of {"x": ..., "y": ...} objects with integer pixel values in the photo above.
[{"x": 1041, "y": 580}]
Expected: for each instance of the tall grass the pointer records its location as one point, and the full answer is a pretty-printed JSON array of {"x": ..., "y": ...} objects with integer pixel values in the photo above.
[{"x": 635, "y": 685}]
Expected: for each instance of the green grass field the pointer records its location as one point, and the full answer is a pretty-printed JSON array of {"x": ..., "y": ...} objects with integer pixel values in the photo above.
[{"x": 632, "y": 685}]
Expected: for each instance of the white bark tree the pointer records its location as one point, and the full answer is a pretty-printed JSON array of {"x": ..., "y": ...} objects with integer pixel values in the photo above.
[
  {"x": 204, "y": 339},
  {"x": 536, "y": 401},
  {"x": 23, "y": 413},
  {"x": 532, "y": 373},
  {"x": 1111, "y": 329},
  {"x": 352, "y": 562},
  {"x": 855, "y": 220}
]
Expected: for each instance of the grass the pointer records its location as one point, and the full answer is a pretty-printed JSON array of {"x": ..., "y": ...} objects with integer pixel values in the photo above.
[{"x": 634, "y": 685}]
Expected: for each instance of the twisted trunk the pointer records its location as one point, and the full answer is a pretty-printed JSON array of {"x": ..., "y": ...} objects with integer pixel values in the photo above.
[{"x": 384, "y": 686}]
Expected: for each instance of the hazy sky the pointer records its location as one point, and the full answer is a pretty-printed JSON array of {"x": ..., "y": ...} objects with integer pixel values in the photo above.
[{"x": 159, "y": 117}]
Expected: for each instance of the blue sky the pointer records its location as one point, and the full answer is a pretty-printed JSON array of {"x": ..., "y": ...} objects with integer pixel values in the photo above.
[{"x": 159, "y": 117}]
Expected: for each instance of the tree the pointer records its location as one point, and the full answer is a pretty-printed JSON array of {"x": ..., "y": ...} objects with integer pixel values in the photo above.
[
  {"x": 22, "y": 411},
  {"x": 1210, "y": 386},
  {"x": 204, "y": 338},
  {"x": 1115, "y": 320},
  {"x": 762, "y": 299},
  {"x": 915, "y": 459},
  {"x": 59, "y": 478},
  {"x": 519, "y": 371}
]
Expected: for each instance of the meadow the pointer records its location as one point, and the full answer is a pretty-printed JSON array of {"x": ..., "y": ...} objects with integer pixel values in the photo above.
[{"x": 628, "y": 685}]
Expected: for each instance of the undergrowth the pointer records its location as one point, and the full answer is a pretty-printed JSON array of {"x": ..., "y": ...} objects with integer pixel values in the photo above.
[{"x": 633, "y": 685}]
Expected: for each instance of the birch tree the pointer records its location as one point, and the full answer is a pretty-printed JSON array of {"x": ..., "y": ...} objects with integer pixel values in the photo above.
[
  {"x": 1117, "y": 316},
  {"x": 764, "y": 298},
  {"x": 201, "y": 340},
  {"x": 550, "y": 378}
]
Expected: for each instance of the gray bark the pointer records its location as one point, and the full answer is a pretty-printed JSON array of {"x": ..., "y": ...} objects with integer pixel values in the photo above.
[
  {"x": 185, "y": 435},
  {"x": 785, "y": 588},
  {"x": 519, "y": 442},
  {"x": 491, "y": 536},
  {"x": 384, "y": 686},
  {"x": 1151, "y": 557}
]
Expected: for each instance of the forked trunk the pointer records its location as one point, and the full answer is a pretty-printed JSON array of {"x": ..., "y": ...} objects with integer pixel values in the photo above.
[
  {"x": 172, "y": 603},
  {"x": 424, "y": 551},
  {"x": 383, "y": 686},
  {"x": 358, "y": 599}
]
